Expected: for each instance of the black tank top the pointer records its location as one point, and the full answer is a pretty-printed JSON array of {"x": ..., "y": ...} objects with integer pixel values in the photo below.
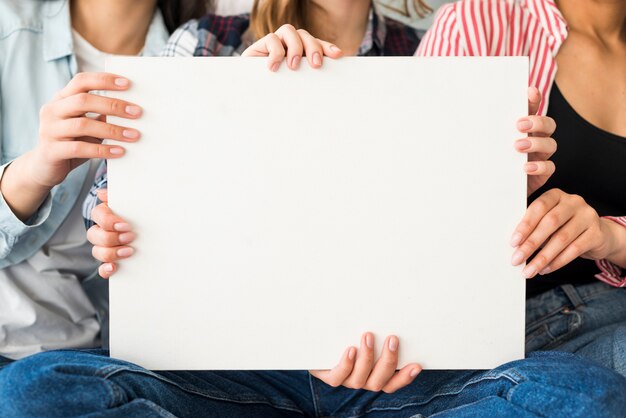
[{"x": 591, "y": 163}]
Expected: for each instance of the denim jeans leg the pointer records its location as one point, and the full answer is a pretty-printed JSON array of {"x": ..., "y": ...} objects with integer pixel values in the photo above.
[
  {"x": 70, "y": 383},
  {"x": 549, "y": 384},
  {"x": 588, "y": 320}
]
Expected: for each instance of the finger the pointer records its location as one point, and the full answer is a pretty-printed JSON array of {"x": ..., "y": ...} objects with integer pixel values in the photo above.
[
  {"x": 86, "y": 82},
  {"x": 534, "y": 100},
  {"x": 312, "y": 48},
  {"x": 537, "y": 145},
  {"x": 68, "y": 150},
  {"x": 364, "y": 363},
  {"x": 103, "y": 195},
  {"x": 574, "y": 250},
  {"x": 107, "y": 220},
  {"x": 402, "y": 378},
  {"x": 331, "y": 50},
  {"x": 535, "y": 212},
  {"x": 106, "y": 270},
  {"x": 340, "y": 372},
  {"x": 269, "y": 46},
  {"x": 540, "y": 168},
  {"x": 537, "y": 125},
  {"x": 103, "y": 238},
  {"x": 557, "y": 243},
  {"x": 385, "y": 366},
  {"x": 80, "y": 127},
  {"x": 548, "y": 225},
  {"x": 82, "y": 103},
  {"x": 111, "y": 254},
  {"x": 291, "y": 40}
]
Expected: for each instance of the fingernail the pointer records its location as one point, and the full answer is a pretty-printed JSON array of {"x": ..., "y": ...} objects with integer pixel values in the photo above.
[
  {"x": 393, "y": 344},
  {"x": 517, "y": 258},
  {"x": 335, "y": 48},
  {"x": 121, "y": 227},
  {"x": 369, "y": 341},
  {"x": 523, "y": 144},
  {"x": 125, "y": 252},
  {"x": 108, "y": 267},
  {"x": 133, "y": 110},
  {"x": 531, "y": 167},
  {"x": 127, "y": 133},
  {"x": 126, "y": 238},
  {"x": 117, "y": 151},
  {"x": 275, "y": 67},
  {"x": 545, "y": 271},
  {"x": 516, "y": 239},
  {"x": 317, "y": 59},
  {"x": 524, "y": 124},
  {"x": 414, "y": 372},
  {"x": 529, "y": 271},
  {"x": 122, "y": 82},
  {"x": 295, "y": 62},
  {"x": 351, "y": 353}
]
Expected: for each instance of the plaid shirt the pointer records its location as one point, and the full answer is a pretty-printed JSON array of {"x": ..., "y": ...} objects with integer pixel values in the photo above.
[{"x": 220, "y": 36}]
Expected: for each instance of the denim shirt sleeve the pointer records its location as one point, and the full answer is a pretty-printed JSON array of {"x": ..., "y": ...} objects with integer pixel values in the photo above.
[{"x": 11, "y": 228}]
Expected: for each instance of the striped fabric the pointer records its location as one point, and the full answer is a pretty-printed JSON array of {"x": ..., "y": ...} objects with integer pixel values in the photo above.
[{"x": 532, "y": 28}]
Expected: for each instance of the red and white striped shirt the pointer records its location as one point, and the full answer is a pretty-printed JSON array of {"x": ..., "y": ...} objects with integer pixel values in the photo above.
[{"x": 532, "y": 28}]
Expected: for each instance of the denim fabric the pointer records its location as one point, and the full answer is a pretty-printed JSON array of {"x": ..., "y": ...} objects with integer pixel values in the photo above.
[
  {"x": 89, "y": 384},
  {"x": 589, "y": 320},
  {"x": 36, "y": 61}
]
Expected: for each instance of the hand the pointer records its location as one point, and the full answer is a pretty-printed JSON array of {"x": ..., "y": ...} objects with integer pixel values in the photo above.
[
  {"x": 294, "y": 44},
  {"x": 67, "y": 138},
  {"x": 565, "y": 227},
  {"x": 110, "y": 237},
  {"x": 358, "y": 369},
  {"x": 539, "y": 145}
]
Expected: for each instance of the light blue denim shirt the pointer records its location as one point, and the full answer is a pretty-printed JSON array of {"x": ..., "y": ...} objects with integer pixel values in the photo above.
[{"x": 36, "y": 61}]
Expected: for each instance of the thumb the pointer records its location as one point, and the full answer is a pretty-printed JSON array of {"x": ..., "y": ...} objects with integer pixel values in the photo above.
[{"x": 534, "y": 100}]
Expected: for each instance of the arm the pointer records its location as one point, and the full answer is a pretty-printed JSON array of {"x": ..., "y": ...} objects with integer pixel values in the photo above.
[{"x": 67, "y": 139}]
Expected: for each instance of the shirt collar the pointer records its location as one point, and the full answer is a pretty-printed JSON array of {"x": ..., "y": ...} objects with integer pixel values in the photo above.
[
  {"x": 551, "y": 19},
  {"x": 375, "y": 34},
  {"x": 57, "y": 32}
]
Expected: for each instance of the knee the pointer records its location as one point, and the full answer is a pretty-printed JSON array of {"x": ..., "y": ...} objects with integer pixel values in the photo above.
[
  {"x": 56, "y": 383},
  {"x": 571, "y": 386}
]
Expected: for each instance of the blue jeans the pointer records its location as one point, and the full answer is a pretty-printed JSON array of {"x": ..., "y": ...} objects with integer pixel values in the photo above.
[
  {"x": 89, "y": 384},
  {"x": 587, "y": 319}
]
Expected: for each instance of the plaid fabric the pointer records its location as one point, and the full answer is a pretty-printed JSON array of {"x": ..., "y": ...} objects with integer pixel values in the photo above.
[{"x": 213, "y": 36}]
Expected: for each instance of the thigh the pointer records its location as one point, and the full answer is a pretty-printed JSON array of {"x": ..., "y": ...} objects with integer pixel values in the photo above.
[
  {"x": 595, "y": 327},
  {"x": 82, "y": 382},
  {"x": 545, "y": 384}
]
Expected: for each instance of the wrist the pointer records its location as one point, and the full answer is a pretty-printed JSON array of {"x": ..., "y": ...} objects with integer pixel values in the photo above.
[
  {"x": 21, "y": 192},
  {"x": 616, "y": 248}
]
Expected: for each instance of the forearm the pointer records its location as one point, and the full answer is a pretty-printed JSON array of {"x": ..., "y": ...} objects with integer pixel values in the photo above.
[
  {"x": 22, "y": 195},
  {"x": 617, "y": 247}
]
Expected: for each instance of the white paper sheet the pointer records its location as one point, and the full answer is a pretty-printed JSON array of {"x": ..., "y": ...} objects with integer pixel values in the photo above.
[{"x": 281, "y": 215}]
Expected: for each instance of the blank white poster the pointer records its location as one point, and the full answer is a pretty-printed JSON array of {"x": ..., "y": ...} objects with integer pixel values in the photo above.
[{"x": 281, "y": 215}]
